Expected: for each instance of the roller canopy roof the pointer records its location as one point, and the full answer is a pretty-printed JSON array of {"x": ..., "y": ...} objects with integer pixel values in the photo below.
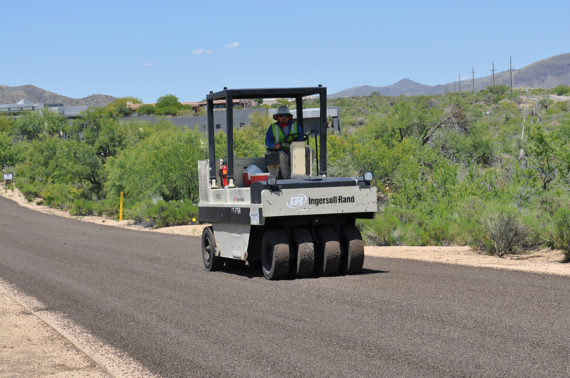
[{"x": 267, "y": 93}]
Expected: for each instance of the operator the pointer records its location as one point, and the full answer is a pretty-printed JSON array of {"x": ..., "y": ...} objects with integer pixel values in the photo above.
[{"x": 280, "y": 134}]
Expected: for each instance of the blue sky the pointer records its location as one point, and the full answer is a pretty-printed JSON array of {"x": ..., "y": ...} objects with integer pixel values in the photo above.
[{"x": 147, "y": 49}]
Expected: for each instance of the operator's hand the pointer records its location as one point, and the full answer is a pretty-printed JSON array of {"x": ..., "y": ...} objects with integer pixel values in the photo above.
[{"x": 278, "y": 146}]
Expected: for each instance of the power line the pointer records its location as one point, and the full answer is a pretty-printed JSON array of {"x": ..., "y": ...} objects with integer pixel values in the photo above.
[
  {"x": 493, "y": 69},
  {"x": 473, "y": 77}
]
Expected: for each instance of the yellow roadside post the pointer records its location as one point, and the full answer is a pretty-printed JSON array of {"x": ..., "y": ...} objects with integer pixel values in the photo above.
[{"x": 121, "y": 208}]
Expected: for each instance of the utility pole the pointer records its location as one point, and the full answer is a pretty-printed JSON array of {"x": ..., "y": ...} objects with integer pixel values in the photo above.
[
  {"x": 493, "y": 69},
  {"x": 473, "y": 77},
  {"x": 511, "y": 72}
]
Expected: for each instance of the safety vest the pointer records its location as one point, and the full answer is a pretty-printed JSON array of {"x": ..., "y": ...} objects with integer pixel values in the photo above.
[{"x": 278, "y": 135}]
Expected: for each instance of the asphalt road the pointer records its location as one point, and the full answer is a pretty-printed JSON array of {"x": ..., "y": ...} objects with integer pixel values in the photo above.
[{"x": 148, "y": 295}]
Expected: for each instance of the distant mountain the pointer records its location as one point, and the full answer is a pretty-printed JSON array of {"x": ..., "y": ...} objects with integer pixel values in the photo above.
[
  {"x": 402, "y": 87},
  {"x": 547, "y": 73},
  {"x": 11, "y": 95}
]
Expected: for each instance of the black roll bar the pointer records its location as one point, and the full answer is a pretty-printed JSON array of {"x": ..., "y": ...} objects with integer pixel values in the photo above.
[{"x": 230, "y": 94}]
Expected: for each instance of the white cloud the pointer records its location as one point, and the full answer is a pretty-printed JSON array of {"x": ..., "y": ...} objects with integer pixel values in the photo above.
[
  {"x": 147, "y": 64},
  {"x": 202, "y": 51},
  {"x": 232, "y": 45}
]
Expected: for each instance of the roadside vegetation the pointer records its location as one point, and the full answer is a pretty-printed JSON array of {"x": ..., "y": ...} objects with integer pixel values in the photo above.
[{"x": 484, "y": 169}]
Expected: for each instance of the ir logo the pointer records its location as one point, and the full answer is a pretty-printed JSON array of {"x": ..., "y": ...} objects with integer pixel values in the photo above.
[{"x": 296, "y": 201}]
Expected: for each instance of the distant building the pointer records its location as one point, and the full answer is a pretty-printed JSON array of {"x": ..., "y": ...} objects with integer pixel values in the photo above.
[
  {"x": 200, "y": 123},
  {"x": 241, "y": 117},
  {"x": 312, "y": 119},
  {"x": 24, "y": 106},
  {"x": 20, "y": 107},
  {"x": 196, "y": 106}
]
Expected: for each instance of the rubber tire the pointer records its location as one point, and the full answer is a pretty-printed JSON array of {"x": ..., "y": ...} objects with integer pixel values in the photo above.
[
  {"x": 305, "y": 252},
  {"x": 211, "y": 262},
  {"x": 275, "y": 255},
  {"x": 330, "y": 251},
  {"x": 353, "y": 250}
]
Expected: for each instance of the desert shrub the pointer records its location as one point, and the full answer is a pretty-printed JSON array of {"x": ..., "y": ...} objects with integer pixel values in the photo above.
[
  {"x": 497, "y": 89},
  {"x": 503, "y": 233},
  {"x": 59, "y": 195},
  {"x": 168, "y": 105},
  {"x": 383, "y": 230},
  {"x": 29, "y": 190},
  {"x": 6, "y": 154},
  {"x": 562, "y": 231},
  {"x": 561, "y": 90},
  {"x": 495, "y": 93},
  {"x": 163, "y": 165},
  {"x": 539, "y": 215},
  {"x": 558, "y": 107},
  {"x": 45, "y": 122},
  {"x": 6, "y": 123},
  {"x": 82, "y": 206},
  {"x": 159, "y": 213},
  {"x": 146, "y": 109}
]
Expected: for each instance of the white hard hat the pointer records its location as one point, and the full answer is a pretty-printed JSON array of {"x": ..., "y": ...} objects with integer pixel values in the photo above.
[{"x": 283, "y": 110}]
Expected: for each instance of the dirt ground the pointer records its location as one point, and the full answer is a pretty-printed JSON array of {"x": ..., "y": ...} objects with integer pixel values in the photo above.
[{"x": 29, "y": 345}]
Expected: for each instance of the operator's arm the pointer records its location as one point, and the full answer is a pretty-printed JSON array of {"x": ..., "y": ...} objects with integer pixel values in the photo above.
[{"x": 300, "y": 135}]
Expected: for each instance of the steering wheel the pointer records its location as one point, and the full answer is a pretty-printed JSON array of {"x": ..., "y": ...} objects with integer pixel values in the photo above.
[{"x": 296, "y": 135}]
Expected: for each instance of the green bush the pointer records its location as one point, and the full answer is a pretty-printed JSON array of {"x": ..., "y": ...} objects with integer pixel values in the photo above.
[
  {"x": 503, "y": 233},
  {"x": 146, "y": 109},
  {"x": 29, "y": 190},
  {"x": 58, "y": 195},
  {"x": 82, "y": 207},
  {"x": 561, "y": 90},
  {"x": 384, "y": 230},
  {"x": 6, "y": 123},
  {"x": 562, "y": 231},
  {"x": 164, "y": 165},
  {"x": 45, "y": 122},
  {"x": 159, "y": 213},
  {"x": 168, "y": 105},
  {"x": 6, "y": 153}
]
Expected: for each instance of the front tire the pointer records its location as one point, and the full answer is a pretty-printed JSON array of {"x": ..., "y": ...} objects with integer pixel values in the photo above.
[{"x": 211, "y": 261}]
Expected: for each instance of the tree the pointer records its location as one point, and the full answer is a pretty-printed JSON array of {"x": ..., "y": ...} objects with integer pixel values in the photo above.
[
  {"x": 561, "y": 90},
  {"x": 6, "y": 124},
  {"x": 163, "y": 165},
  {"x": 168, "y": 105},
  {"x": 117, "y": 108},
  {"x": 33, "y": 124},
  {"x": 5, "y": 150},
  {"x": 541, "y": 156},
  {"x": 260, "y": 122},
  {"x": 146, "y": 109}
]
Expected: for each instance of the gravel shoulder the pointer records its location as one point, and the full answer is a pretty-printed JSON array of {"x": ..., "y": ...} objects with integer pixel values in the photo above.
[{"x": 29, "y": 347}]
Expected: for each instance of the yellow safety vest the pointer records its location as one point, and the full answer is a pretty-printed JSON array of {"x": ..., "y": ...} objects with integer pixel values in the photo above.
[{"x": 278, "y": 135}]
